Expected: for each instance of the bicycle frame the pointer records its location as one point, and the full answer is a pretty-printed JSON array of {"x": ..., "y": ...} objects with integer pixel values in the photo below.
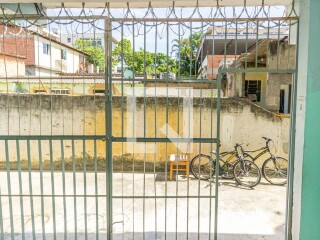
[
  {"x": 232, "y": 155},
  {"x": 263, "y": 150}
]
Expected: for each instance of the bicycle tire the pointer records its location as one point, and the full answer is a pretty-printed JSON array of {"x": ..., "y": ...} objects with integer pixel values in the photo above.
[
  {"x": 279, "y": 173},
  {"x": 194, "y": 167},
  {"x": 228, "y": 173},
  {"x": 239, "y": 173},
  {"x": 226, "y": 169}
]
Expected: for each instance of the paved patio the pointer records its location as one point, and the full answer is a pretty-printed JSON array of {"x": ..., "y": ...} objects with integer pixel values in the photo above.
[{"x": 243, "y": 213}]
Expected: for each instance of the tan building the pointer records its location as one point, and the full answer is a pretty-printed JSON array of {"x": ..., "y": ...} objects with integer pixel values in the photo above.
[
  {"x": 11, "y": 65},
  {"x": 269, "y": 90},
  {"x": 219, "y": 44}
]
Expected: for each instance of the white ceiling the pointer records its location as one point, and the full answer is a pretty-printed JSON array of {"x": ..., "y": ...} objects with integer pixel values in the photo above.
[{"x": 154, "y": 3}]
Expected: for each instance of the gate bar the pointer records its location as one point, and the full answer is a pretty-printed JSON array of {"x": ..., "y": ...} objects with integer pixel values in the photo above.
[
  {"x": 103, "y": 196},
  {"x": 9, "y": 189},
  {"x": 108, "y": 122},
  {"x": 114, "y": 139}
]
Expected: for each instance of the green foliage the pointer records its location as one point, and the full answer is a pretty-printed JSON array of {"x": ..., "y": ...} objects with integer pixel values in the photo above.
[
  {"x": 19, "y": 88},
  {"x": 95, "y": 53},
  {"x": 142, "y": 59},
  {"x": 186, "y": 50},
  {"x": 122, "y": 51}
]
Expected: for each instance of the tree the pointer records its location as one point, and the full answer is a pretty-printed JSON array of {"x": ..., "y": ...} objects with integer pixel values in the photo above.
[
  {"x": 161, "y": 63},
  {"x": 95, "y": 54},
  {"x": 186, "y": 52},
  {"x": 123, "y": 51},
  {"x": 143, "y": 61}
]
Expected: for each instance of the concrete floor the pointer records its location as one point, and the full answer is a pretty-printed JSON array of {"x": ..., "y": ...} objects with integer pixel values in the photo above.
[{"x": 243, "y": 213}]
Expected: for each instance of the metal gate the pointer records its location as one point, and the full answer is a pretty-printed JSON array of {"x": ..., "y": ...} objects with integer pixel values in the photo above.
[{"x": 96, "y": 155}]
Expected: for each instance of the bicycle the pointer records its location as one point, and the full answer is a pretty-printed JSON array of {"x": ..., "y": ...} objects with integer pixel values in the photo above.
[
  {"x": 246, "y": 172},
  {"x": 203, "y": 166},
  {"x": 275, "y": 168}
]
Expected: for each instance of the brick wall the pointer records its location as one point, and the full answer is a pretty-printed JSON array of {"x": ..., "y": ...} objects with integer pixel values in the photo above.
[
  {"x": 213, "y": 65},
  {"x": 18, "y": 42}
]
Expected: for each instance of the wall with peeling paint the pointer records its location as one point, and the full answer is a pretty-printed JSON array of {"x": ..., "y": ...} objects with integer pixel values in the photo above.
[{"x": 241, "y": 122}]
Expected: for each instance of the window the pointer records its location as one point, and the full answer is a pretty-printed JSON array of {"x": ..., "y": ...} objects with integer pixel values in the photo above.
[
  {"x": 63, "y": 54},
  {"x": 40, "y": 91},
  {"x": 98, "y": 91},
  {"x": 46, "y": 48},
  {"x": 69, "y": 40},
  {"x": 253, "y": 90},
  {"x": 60, "y": 91}
]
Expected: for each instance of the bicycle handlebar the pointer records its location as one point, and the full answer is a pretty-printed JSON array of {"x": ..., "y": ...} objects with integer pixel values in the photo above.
[
  {"x": 240, "y": 146},
  {"x": 267, "y": 139}
]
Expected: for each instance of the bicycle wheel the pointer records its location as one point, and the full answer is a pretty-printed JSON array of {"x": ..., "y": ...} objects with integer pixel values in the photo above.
[
  {"x": 200, "y": 166},
  {"x": 275, "y": 170},
  {"x": 226, "y": 170},
  {"x": 247, "y": 173}
]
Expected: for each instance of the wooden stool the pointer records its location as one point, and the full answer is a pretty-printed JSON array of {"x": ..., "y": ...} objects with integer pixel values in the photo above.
[{"x": 176, "y": 161}]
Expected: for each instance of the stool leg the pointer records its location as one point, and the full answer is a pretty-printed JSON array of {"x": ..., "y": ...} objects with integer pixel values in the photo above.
[
  {"x": 171, "y": 171},
  {"x": 187, "y": 169}
]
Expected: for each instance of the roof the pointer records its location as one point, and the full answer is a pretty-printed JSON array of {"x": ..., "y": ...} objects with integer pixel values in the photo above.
[
  {"x": 35, "y": 33},
  {"x": 56, "y": 41},
  {"x": 12, "y": 55},
  {"x": 229, "y": 45},
  {"x": 68, "y": 79},
  {"x": 81, "y": 75},
  {"x": 259, "y": 51}
]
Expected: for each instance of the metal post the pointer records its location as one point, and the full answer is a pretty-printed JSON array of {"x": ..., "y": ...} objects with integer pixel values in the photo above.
[
  {"x": 108, "y": 122},
  {"x": 289, "y": 203},
  {"x": 217, "y": 160}
]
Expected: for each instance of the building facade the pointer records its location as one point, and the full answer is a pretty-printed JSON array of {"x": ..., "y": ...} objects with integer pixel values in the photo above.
[
  {"x": 232, "y": 41},
  {"x": 97, "y": 39},
  {"x": 269, "y": 90},
  {"x": 42, "y": 50}
]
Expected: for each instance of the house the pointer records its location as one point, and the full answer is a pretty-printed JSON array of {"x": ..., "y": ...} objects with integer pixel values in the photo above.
[
  {"x": 44, "y": 54},
  {"x": 220, "y": 43},
  {"x": 270, "y": 90},
  {"x": 96, "y": 39},
  {"x": 238, "y": 49}
]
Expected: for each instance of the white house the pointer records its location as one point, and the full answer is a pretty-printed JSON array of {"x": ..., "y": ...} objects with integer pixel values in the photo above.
[
  {"x": 44, "y": 53},
  {"x": 53, "y": 57}
]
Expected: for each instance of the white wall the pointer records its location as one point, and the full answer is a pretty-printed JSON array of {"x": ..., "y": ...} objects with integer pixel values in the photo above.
[
  {"x": 53, "y": 60},
  {"x": 11, "y": 66}
]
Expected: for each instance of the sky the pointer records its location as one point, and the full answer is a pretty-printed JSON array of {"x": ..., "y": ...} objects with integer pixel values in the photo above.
[{"x": 156, "y": 38}]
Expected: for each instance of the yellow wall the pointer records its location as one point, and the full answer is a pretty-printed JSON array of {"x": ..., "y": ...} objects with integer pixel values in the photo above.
[
  {"x": 241, "y": 122},
  {"x": 262, "y": 76}
]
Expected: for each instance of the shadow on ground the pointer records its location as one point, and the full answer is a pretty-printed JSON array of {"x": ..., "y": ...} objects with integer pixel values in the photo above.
[{"x": 279, "y": 235}]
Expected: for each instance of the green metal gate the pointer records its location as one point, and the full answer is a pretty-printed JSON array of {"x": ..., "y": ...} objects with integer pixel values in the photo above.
[{"x": 96, "y": 164}]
